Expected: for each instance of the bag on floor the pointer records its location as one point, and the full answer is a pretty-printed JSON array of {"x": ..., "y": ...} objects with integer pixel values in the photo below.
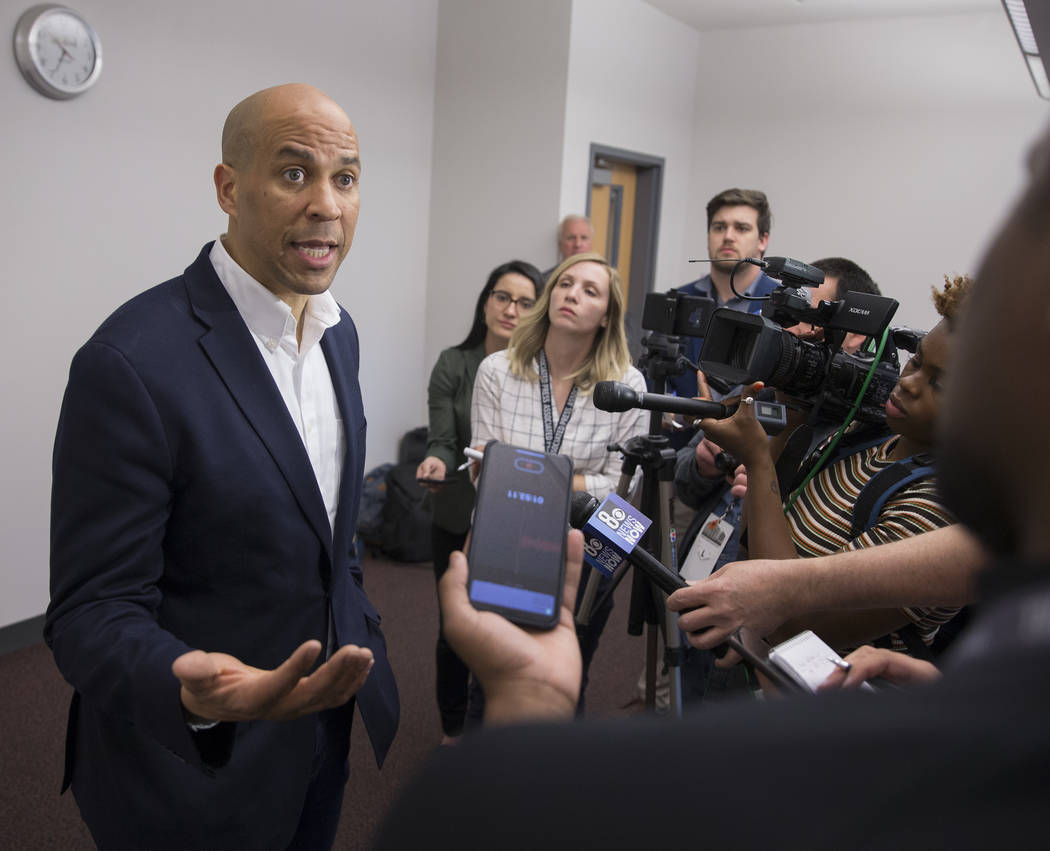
[
  {"x": 406, "y": 519},
  {"x": 370, "y": 512}
]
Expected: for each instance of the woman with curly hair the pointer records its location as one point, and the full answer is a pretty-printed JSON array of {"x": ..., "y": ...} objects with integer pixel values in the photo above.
[{"x": 818, "y": 518}]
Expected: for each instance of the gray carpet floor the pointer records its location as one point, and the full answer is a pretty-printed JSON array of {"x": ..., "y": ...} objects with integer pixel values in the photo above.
[{"x": 34, "y": 700}]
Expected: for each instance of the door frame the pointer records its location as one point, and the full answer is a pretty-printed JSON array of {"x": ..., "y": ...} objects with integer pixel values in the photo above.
[{"x": 649, "y": 190}]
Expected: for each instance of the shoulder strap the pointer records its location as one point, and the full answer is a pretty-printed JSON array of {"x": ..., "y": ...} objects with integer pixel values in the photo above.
[
  {"x": 882, "y": 486},
  {"x": 792, "y": 472},
  {"x": 795, "y": 461},
  {"x": 870, "y": 501}
]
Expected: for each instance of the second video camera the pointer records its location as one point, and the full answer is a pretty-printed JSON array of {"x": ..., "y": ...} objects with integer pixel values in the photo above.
[{"x": 742, "y": 348}]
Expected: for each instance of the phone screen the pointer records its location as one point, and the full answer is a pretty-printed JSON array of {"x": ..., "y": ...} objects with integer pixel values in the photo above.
[{"x": 517, "y": 544}]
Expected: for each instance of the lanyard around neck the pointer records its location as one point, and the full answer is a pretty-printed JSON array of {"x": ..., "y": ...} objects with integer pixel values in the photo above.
[{"x": 552, "y": 436}]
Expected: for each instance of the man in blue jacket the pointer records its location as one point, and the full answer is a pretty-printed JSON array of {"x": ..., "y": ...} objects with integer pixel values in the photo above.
[
  {"x": 738, "y": 224},
  {"x": 206, "y": 595}
]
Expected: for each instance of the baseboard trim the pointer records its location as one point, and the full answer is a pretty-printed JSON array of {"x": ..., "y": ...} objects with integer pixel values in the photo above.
[{"x": 21, "y": 634}]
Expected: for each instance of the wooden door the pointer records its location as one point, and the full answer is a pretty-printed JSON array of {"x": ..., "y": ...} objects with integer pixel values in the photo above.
[{"x": 612, "y": 216}]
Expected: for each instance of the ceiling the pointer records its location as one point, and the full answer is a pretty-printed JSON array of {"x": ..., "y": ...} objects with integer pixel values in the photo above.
[{"x": 706, "y": 15}]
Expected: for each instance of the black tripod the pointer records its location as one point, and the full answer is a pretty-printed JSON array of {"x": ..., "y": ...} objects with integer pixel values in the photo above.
[{"x": 653, "y": 453}]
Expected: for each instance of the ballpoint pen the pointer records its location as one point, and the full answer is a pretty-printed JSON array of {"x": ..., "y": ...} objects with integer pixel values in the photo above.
[{"x": 472, "y": 455}]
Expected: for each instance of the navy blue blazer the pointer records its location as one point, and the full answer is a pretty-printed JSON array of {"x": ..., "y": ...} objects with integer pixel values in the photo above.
[{"x": 186, "y": 515}]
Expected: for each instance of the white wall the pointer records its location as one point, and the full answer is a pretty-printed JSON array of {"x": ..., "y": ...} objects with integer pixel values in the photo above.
[
  {"x": 897, "y": 143},
  {"x": 499, "y": 108},
  {"x": 632, "y": 85},
  {"x": 111, "y": 192}
]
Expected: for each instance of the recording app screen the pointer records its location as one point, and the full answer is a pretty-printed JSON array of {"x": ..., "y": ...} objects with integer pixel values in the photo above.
[{"x": 519, "y": 530}]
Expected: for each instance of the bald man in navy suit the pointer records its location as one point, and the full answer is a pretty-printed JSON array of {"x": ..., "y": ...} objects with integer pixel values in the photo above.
[{"x": 206, "y": 597}]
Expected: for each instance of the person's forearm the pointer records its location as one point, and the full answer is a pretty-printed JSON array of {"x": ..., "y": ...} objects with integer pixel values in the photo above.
[
  {"x": 442, "y": 441},
  {"x": 441, "y": 430},
  {"x": 447, "y": 453},
  {"x": 937, "y": 568},
  {"x": 768, "y": 533},
  {"x": 845, "y": 628}
]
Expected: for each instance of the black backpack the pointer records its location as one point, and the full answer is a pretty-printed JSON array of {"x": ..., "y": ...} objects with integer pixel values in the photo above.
[
  {"x": 370, "y": 511},
  {"x": 393, "y": 519},
  {"x": 413, "y": 446},
  {"x": 406, "y": 520}
]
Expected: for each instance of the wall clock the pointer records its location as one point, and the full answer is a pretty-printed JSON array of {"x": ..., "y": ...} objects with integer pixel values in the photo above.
[{"x": 57, "y": 50}]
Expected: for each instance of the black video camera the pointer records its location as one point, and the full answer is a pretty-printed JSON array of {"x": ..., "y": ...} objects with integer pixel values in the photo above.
[
  {"x": 741, "y": 347},
  {"x": 677, "y": 314},
  {"x": 669, "y": 318}
]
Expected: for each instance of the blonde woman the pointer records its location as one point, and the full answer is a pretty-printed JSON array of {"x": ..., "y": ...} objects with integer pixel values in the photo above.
[{"x": 538, "y": 392}]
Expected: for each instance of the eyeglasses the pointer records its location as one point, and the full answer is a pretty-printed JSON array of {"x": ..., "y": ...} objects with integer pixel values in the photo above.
[{"x": 503, "y": 299}]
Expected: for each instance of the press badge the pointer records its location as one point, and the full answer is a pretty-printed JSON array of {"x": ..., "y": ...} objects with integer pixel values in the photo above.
[{"x": 707, "y": 547}]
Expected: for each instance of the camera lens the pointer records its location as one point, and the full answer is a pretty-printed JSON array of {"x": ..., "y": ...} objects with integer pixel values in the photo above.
[{"x": 800, "y": 368}]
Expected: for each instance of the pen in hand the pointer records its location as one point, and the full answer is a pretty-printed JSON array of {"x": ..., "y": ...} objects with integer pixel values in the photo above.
[{"x": 472, "y": 455}]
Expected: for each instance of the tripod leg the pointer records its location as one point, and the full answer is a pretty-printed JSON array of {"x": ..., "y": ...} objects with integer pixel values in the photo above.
[
  {"x": 586, "y": 604},
  {"x": 652, "y": 647},
  {"x": 672, "y": 637}
]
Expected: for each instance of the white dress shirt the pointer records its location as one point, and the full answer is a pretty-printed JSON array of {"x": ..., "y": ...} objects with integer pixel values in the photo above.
[{"x": 299, "y": 371}]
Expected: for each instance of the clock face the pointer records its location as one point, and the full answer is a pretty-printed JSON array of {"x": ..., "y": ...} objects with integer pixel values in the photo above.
[{"x": 57, "y": 51}]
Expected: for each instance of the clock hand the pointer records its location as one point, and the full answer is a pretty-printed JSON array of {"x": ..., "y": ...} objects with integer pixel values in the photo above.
[{"x": 65, "y": 53}]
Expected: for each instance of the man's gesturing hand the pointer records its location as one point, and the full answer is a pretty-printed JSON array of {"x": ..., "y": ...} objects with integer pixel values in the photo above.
[{"x": 219, "y": 687}]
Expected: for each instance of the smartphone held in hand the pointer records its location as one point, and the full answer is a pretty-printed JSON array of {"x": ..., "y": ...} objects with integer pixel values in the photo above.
[{"x": 517, "y": 542}]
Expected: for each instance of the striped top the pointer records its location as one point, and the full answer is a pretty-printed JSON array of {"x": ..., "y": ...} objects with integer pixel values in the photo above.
[{"x": 822, "y": 517}]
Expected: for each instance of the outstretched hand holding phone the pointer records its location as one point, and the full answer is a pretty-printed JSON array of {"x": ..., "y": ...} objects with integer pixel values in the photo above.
[{"x": 526, "y": 674}]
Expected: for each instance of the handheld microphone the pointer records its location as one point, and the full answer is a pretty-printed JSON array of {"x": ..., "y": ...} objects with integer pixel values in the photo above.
[
  {"x": 611, "y": 529},
  {"x": 617, "y": 396},
  {"x": 604, "y": 543}
]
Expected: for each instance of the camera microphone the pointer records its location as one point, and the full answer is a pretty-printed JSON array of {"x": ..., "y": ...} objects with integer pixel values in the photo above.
[
  {"x": 792, "y": 272},
  {"x": 617, "y": 396},
  {"x": 610, "y": 534}
]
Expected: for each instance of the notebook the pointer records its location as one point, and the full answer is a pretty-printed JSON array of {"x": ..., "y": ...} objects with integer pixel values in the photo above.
[{"x": 806, "y": 658}]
